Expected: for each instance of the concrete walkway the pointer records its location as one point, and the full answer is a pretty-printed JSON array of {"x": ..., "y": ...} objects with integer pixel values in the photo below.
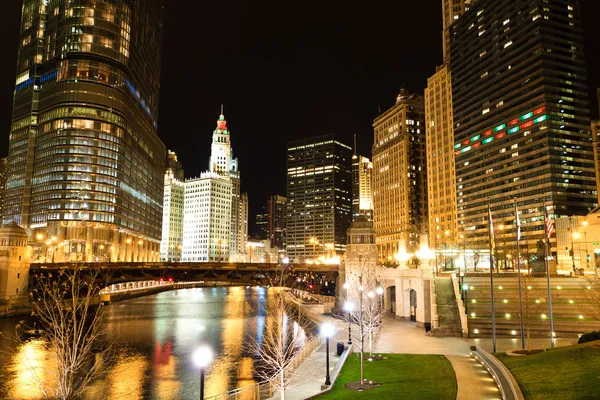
[
  {"x": 473, "y": 380},
  {"x": 309, "y": 377},
  {"x": 401, "y": 337}
]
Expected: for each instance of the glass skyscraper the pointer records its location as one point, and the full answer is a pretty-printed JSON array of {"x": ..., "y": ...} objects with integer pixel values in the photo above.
[
  {"x": 319, "y": 193},
  {"x": 85, "y": 164},
  {"x": 521, "y": 117}
]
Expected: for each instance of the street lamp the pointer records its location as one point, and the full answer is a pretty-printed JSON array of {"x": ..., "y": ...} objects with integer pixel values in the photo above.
[
  {"x": 202, "y": 358},
  {"x": 327, "y": 329},
  {"x": 349, "y": 307},
  {"x": 465, "y": 290},
  {"x": 379, "y": 291}
]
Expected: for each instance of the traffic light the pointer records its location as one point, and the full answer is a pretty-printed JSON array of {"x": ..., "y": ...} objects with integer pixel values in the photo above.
[{"x": 588, "y": 257}]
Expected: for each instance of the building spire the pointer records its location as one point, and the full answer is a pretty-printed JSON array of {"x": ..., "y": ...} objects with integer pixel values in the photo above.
[{"x": 221, "y": 109}]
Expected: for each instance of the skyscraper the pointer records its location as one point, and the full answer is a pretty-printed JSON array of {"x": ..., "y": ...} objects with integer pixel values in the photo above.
[
  {"x": 174, "y": 166},
  {"x": 261, "y": 225},
  {"x": 441, "y": 169},
  {"x": 362, "y": 195},
  {"x": 85, "y": 165},
  {"x": 319, "y": 193},
  {"x": 400, "y": 176},
  {"x": 213, "y": 225},
  {"x": 172, "y": 226},
  {"x": 521, "y": 116},
  {"x": 596, "y": 142},
  {"x": 2, "y": 183},
  {"x": 277, "y": 208}
]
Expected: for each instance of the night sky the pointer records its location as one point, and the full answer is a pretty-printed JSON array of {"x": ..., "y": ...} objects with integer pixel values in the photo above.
[{"x": 282, "y": 74}]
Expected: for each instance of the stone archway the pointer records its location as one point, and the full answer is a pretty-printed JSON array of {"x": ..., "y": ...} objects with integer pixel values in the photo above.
[
  {"x": 390, "y": 295},
  {"x": 409, "y": 303}
]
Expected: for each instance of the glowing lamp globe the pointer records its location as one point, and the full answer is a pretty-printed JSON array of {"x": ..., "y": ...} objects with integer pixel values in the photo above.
[
  {"x": 379, "y": 290},
  {"x": 349, "y": 306},
  {"x": 327, "y": 329},
  {"x": 202, "y": 357}
]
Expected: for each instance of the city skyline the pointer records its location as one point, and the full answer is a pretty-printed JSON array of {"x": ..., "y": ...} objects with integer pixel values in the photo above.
[{"x": 341, "y": 106}]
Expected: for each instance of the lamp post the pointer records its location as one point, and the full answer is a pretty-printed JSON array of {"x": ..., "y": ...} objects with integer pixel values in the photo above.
[
  {"x": 379, "y": 291},
  {"x": 576, "y": 237},
  {"x": 202, "y": 358},
  {"x": 465, "y": 290},
  {"x": 587, "y": 255},
  {"x": 327, "y": 329},
  {"x": 349, "y": 307}
]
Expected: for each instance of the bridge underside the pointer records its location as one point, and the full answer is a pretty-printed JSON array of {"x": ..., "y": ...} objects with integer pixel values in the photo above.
[{"x": 243, "y": 273}]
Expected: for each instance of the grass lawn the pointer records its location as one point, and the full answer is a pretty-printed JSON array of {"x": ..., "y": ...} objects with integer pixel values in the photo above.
[
  {"x": 571, "y": 372},
  {"x": 403, "y": 376}
]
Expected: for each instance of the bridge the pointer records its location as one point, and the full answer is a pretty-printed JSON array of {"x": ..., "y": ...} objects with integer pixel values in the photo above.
[{"x": 312, "y": 276}]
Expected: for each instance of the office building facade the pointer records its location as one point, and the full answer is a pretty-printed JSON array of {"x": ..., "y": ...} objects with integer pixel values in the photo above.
[
  {"x": 362, "y": 195},
  {"x": 85, "y": 164},
  {"x": 319, "y": 193},
  {"x": 399, "y": 176},
  {"x": 521, "y": 117},
  {"x": 441, "y": 169},
  {"x": 214, "y": 228},
  {"x": 173, "y": 201},
  {"x": 277, "y": 214}
]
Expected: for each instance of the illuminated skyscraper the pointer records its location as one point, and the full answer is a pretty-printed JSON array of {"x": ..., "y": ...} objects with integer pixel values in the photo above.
[
  {"x": 441, "y": 170},
  {"x": 319, "y": 193},
  {"x": 362, "y": 195},
  {"x": 596, "y": 141},
  {"x": 85, "y": 164},
  {"x": 277, "y": 207},
  {"x": 521, "y": 117},
  {"x": 173, "y": 199},
  {"x": 214, "y": 228},
  {"x": 2, "y": 183},
  {"x": 399, "y": 176}
]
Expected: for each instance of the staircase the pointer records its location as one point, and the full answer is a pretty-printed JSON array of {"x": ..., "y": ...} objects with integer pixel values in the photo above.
[
  {"x": 570, "y": 306},
  {"x": 447, "y": 310}
]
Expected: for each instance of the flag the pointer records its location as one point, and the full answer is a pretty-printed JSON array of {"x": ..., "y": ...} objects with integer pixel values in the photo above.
[
  {"x": 518, "y": 222},
  {"x": 492, "y": 239},
  {"x": 548, "y": 223}
]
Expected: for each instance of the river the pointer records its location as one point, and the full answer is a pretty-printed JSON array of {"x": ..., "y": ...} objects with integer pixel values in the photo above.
[{"x": 154, "y": 337}]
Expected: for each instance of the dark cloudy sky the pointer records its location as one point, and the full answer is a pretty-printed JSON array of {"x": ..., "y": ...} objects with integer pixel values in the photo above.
[{"x": 284, "y": 71}]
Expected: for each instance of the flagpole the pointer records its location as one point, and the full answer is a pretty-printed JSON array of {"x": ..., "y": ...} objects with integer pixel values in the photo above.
[
  {"x": 491, "y": 231},
  {"x": 519, "y": 275},
  {"x": 547, "y": 237}
]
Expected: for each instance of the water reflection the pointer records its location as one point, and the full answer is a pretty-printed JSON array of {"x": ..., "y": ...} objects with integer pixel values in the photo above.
[{"x": 154, "y": 339}]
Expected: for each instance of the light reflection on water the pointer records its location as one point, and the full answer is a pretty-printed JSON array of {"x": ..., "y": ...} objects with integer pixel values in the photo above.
[{"x": 154, "y": 339}]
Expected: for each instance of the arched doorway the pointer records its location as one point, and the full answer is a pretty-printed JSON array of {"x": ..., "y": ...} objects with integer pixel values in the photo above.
[
  {"x": 391, "y": 295},
  {"x": 413, "y": 305}
]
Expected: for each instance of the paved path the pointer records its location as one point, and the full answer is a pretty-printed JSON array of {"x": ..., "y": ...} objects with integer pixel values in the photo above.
[
  {"x": 473, "y": 380},
  {"x": 405, "y": 337},
  {"x": 309, "y": 377}
]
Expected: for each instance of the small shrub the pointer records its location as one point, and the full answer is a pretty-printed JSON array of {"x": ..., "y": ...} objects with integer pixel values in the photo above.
[{"x": 589, "y": 337}]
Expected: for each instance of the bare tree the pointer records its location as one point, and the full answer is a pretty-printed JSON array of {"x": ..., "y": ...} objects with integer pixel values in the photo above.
[
  {"x": 68, "y": 314},
  {"x": 282, "y": 339},
  {"x": 532, "y": 305},
  {"x": 592, "y": 297},
  {"x": 368, "y": 312}
]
